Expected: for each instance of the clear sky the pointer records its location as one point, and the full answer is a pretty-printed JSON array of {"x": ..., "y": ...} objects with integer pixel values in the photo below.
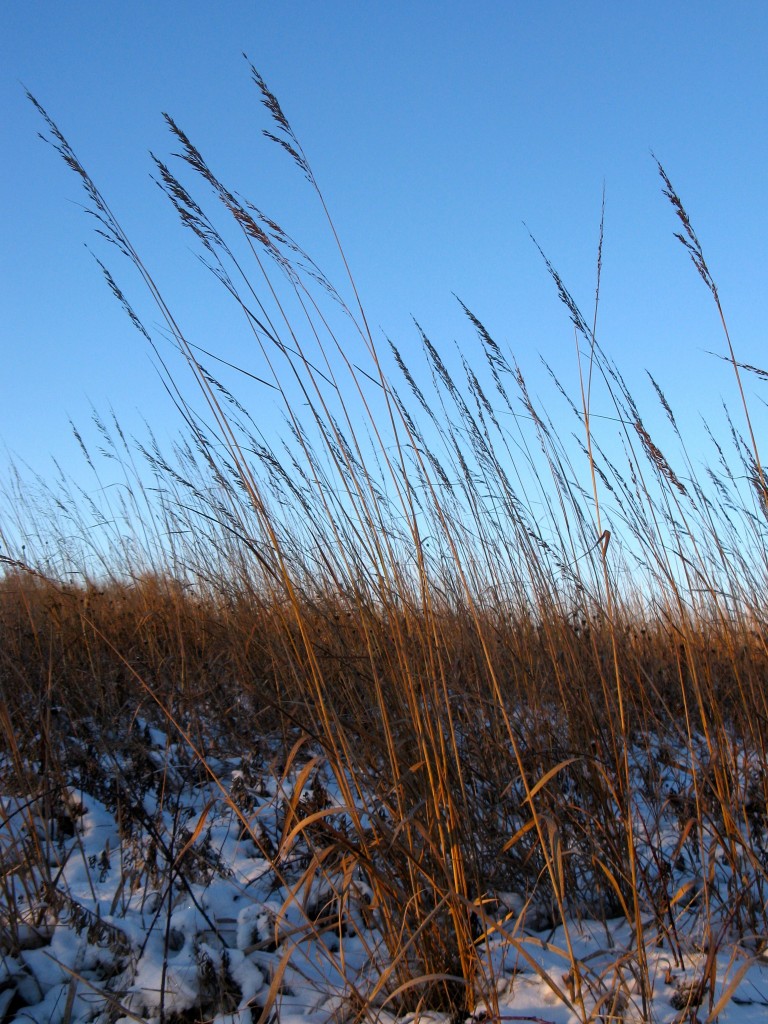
[{"x": 437, "y": 131}]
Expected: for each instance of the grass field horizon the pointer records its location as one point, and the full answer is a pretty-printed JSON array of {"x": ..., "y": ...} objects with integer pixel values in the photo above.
[{"x": 456, "y": 678}]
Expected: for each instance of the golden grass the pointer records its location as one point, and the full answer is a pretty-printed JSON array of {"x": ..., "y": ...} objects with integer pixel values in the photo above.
[{"x": 496, "y": 691}]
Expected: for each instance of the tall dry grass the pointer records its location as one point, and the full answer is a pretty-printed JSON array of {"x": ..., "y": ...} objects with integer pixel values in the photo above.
[{"x": 501, "y": 641}]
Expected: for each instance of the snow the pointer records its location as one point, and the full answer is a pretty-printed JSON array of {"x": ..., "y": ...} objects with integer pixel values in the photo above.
[{"x": 168, "y": 905}]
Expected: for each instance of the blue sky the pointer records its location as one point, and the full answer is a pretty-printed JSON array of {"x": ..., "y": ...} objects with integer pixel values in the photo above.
[{"x": 439, "y": 133}]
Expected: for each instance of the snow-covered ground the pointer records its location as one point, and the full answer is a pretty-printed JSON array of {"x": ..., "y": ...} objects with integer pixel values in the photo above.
[{"x": 166, "y": 890}]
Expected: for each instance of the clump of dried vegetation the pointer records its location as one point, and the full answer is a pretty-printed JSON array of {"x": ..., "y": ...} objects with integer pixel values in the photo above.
[{"x": 517, "y": 658}]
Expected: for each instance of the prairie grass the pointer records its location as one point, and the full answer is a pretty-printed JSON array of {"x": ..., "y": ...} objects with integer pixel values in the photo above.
[{"x": 499, "y": 680}]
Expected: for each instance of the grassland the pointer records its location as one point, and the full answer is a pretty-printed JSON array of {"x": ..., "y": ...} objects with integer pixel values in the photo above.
[{"x": 422, "y": 684}]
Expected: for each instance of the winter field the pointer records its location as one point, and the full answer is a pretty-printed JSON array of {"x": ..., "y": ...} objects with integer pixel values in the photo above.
[
  {"x": 423, "y": 711},
  {"x": 156, "y": 885}
]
